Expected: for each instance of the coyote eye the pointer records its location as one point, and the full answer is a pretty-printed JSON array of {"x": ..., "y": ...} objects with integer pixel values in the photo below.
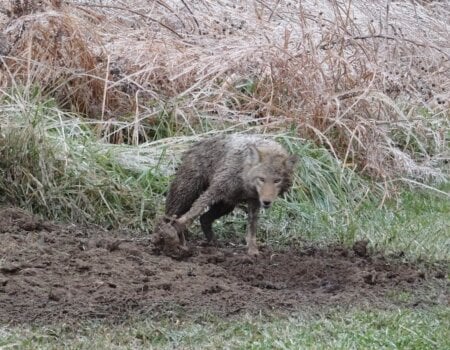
[
  {"x": 277, "y": 181},
  {"x": 261, "y": 179}
]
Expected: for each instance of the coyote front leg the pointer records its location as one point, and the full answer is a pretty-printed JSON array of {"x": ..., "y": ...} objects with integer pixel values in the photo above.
[
  {"x": 201, "y": 204},
  {"x": 253, "y": 210}
]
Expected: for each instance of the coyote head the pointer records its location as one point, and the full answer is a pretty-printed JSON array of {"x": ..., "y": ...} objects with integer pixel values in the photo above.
[{"x": 269, "y": 173}]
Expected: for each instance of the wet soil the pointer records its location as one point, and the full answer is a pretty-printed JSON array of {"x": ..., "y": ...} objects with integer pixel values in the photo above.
[{"x": 64, "y": 273}]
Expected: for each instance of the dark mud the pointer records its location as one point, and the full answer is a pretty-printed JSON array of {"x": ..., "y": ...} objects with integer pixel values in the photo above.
[{"x": 53, "y": 273}]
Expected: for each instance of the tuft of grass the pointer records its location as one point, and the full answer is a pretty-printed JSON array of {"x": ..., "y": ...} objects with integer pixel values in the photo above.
[
  {"x": 336, "y": 329},
  {"x": 416, "y": 224}
]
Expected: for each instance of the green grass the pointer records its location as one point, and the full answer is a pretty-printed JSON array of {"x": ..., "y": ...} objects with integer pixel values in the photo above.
[
  {"x": 416, "y": 223},
  {"x": 334, "y": 329}
]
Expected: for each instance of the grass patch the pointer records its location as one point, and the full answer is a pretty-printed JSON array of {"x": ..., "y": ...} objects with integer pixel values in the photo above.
[
  {"x": 416, "y": 223},
  {"x": 53, "y": 165},
  {"x": 336, "y": 329}
]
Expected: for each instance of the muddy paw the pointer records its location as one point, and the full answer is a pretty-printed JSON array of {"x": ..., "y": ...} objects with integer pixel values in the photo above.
[
  {"x": 169, "y": 239},
  {"x": 164, "y": 232}
]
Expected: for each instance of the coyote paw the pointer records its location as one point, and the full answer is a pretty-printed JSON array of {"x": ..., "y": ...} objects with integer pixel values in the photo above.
[
  {"x": 253, "y": 251},
  {"x": 169, "y": 231}
]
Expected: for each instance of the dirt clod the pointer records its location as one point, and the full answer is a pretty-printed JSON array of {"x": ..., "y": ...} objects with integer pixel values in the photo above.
[
  {"x": 56, "y": 295},
  {"x": 48, "y": 278},
  {"x": 440, "y": 274},
  {"x": 10, "y": 269},
  {"x": 370, "y": 278},
  {"x": 360, "y": 248},
  {"x": 3, "y": 282}
]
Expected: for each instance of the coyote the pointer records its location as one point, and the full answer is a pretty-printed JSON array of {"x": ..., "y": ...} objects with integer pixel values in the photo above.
[{"x": 218, "y": 173}]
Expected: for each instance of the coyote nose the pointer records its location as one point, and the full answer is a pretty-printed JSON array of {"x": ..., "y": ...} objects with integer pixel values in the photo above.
[{"x": 266, "y": 204}]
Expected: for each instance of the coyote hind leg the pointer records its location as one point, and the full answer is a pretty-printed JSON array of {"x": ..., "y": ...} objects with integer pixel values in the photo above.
[{"x": 216, "y": 211}]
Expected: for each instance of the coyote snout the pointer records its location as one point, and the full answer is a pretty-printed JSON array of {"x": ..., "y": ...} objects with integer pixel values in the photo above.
[
  {"x": 218, "y": 173},
  {"x": 268, "y": 189}
]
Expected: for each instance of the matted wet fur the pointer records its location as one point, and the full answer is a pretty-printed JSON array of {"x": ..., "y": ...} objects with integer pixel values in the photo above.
[{"x": 219, "y": 173}]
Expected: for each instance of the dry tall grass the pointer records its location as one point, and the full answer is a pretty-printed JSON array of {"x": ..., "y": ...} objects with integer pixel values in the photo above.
[{"x": 369, "y": 80}]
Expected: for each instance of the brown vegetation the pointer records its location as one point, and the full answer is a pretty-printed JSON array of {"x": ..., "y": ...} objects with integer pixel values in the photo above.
[{"x": 368, "y": 80}]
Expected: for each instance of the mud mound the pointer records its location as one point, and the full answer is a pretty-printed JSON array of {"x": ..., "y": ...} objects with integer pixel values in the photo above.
[{"x": 51, "y": 273}]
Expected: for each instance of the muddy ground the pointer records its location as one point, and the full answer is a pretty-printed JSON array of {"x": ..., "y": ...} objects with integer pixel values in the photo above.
[{"x": 51, "y": 273}]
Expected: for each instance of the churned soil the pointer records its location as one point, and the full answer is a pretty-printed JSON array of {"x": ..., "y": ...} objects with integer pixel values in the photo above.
[{"x": 66, "y": 273}]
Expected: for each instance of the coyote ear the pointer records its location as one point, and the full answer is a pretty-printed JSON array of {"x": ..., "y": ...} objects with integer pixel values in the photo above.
[
  {"x": 291, "y": 161},
  {"x": 253, "y": 154}
]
